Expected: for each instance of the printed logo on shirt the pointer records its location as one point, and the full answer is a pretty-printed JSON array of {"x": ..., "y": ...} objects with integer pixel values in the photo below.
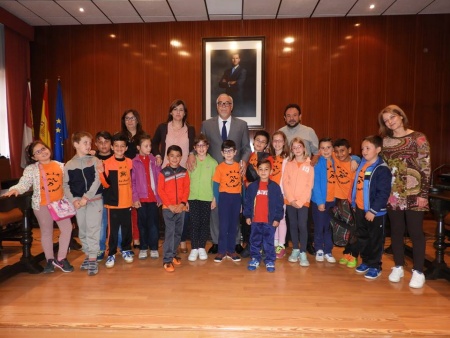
[
  {"x": 305, "y": 169},
  {"x": 262, "y": 192},
  {"x": 233, "y": 179},
  {"x": 342, "y": 175},
  {"x": 53, "y": 182}
]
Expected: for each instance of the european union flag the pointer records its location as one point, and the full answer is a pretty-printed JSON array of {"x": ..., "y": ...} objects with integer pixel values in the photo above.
[{"x": 60, "y": 126}]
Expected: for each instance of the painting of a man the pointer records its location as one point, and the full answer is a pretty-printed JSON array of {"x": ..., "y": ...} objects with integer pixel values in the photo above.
[{"x": 233, "y": 80}]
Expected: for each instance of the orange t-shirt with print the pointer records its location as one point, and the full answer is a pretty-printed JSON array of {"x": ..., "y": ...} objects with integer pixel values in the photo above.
[
  {"x": 228, "y": 177},
  {"x": 54, "y": 177},
  {"x": 360, "y": 187}
]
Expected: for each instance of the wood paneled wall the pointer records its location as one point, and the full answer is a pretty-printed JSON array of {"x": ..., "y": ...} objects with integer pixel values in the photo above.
[{"x": 341, "y": 74}]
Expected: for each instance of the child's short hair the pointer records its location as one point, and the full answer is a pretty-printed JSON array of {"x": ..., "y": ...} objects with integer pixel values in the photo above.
[
  {"x": 77, "y": 136},
  {"x": 264, "y": 134},
  {"x": 119, "y": 137},
  {"x": 142, "y": 138},
  {"x": 201, "y": 138},
  {"x": 341, "y": 142},
  {"x": 325, "y": 139},
  {"x": 376, "y": 140},
  {"x": 105, "y": 134},
  {"x": 228, "y": 144},
  {"x": 264, "y": 161},
  {"x": 174, "y": 147}
]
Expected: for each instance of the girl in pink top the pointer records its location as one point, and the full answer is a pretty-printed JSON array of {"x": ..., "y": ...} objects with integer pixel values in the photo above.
[{"x": 298, "y": 180}]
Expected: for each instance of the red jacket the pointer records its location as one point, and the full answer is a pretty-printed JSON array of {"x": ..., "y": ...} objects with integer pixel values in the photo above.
[{"x": 173, "y": 186}]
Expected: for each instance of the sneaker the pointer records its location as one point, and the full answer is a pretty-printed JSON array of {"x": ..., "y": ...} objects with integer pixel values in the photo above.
[
  {"x": 126, "y": 255},
  {"x": 329, "y": 258},
  {"x": 280, "y": 251},
  {"x": 176, "y": 260},
  {"x": 396, "y": 274},
  {"x": 219, "y": 258},
  {"x": 202, "y": 254},
  {"x": 193, "y": 255},
  {"x": 92, "y": 268},
  {"x": 169, "y": 267},
  {"x": 362, "y": 268},
  {"x": 143, "y": 254},
  {"x": 234, "y": 257},
  {"x": 294, "y": 255},
  {"x": 100, "y": 255},
  {"x": 417, "y": 280},
  {"x": 110, "y": 262},
  {"x": 154, "y": 254},
  {"x": 63, "y": 264},
  {"x": 319, "y": 256},
  {"x": 344, "y": 260},
  {"x": 253, "y": 264},
  {"x": 303, "y": 259},
  {"x": 352, "y": 262},
  {"x": 270, "y": 267},
  {"x": 85, "y": 264},
  {"x": 49, "y": 268},
  {"x": 373, "y": 273}
]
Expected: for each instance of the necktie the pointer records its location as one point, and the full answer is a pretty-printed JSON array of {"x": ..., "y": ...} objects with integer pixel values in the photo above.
[
  {"x": 232, "y": 70},
  {"x": 224, "y": 131}
]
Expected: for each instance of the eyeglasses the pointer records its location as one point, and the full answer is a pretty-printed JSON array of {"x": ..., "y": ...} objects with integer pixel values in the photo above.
[
  {"x": 38, "y": 152},
  {"x": 224, "y": 104},
  {"x": 130, "y": 118},
  {"x": 260, "y": 141},
  {"x": 201, "y": 146},
  {"x": 228, "y": 151}
]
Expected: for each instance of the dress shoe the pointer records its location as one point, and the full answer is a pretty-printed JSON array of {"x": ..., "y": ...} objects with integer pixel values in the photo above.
[
  {"x": 239, "y": 248},
  {"x": 214, "y": 249},
  {"x": 246, "y": 252},
  {"x": 74, "y": 245},
  {"x": 311, "y": 250}
]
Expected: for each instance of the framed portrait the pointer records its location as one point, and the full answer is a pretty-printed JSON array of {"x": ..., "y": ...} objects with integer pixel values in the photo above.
[{"x": 235, "y": 66}]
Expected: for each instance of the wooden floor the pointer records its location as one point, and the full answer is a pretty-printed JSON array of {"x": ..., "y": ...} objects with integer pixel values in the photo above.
[{"x": 207, "y": 299}]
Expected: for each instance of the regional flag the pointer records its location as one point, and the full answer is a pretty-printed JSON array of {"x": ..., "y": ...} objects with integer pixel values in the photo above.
[
  {"x": 28, "y": 130},
  {"x": 60, "y": 126},
  {"x": 44, "y": 131}
]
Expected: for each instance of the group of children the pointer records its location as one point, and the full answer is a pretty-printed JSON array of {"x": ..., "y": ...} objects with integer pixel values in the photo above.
[{"x": 280, "y": 180}]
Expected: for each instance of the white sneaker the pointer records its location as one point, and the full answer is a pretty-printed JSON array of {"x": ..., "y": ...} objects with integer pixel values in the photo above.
[
  {"x": 417, "y": 280},
  {"x": 126, "y": 255},
  {"x": 110, "y": 262},
  {"x": 330, "y": 259},
  {"x": 396, "y": 274},
  {"x": 294, "y": 255},
  {"x": 202, "y": 254},
  {"x": 154, "y": 254},
  {"x": 303, "y": 259},
  {"x": 319, "y": 256},
  {"x": 193, "y": 255},
  {"x": 143, "y": 254}
]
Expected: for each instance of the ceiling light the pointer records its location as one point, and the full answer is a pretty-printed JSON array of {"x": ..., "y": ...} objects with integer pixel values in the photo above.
[
  {"x": 289, "y": 39},
  {"x": 372, "y": 6},
  {"x": 175, "y": 43},
  {"x": 81, "y": 9},
  {"x": 112, "y": 36},
  {"x": 287, "y": 49},
  {"x": 357, "y": 24}
]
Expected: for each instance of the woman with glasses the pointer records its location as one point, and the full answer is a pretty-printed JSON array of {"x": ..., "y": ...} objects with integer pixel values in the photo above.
[
  {"x": 175, "y": 131},
  {"x": 46, "y": 178}
]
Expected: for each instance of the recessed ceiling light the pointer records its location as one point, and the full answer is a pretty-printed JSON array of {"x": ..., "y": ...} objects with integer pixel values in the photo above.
[
  {"x": 372, "y": 6},
  {"x": 112, "y": 36},
  {"x": 357, "y": 24},
  {"x": 81, "y": 9},
  {"x": 289, "y": 39},
  {"x": 175, "y": 43}
]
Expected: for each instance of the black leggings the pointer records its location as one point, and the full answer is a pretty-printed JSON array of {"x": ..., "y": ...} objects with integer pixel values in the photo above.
[{"x": 413, "y": 222}]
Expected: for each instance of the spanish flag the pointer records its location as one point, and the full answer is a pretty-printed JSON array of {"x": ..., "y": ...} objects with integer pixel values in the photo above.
[{"x": 44, "y": 131}]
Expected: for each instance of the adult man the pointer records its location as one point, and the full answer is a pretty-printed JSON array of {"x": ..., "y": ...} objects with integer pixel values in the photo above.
[
  {"x": 294, "y": 128},
  {"x": 217, "y": 129},
  {"x": 233, "y": 81}
]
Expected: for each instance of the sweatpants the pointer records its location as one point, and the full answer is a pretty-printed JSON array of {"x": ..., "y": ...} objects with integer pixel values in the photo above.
[
  {"x": 229, "y": 210},
  {"x": 119, "y": 219},
  {"x": 172, "y": 234},
  {"x": 89, "y": 219},
  {"x": 370, "y": 238}
]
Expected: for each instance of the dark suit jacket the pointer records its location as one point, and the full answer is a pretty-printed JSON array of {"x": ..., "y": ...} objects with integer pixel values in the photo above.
[
  {"x": 238, "y": 133},
  {"x": 236, "y": 90}
]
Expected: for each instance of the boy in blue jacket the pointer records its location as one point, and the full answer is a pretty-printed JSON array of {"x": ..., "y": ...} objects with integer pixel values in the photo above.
[
  {"x": 263, "y": 210},
  {"x": 370, "y": 194}
]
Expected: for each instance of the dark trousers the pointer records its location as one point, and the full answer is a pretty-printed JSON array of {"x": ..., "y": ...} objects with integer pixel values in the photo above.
[
  {"x": 298, "y": 219},
  {"x": 322, "y": 229},
  {"x": 229, "y": 209},
  {"x": 200, "y": 215},
  {"x": 262, "y": 237},
  {"x": 370, "y": 238},
  {"x": 148, "y": 223},
  {"x": 172, "y": 234},
  {"x": 413, "y": 222},
  {"x": 119, "y": 219}
]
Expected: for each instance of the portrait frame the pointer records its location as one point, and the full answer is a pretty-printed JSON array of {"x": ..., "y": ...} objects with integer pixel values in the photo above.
[{"x": 219, "y": 57}]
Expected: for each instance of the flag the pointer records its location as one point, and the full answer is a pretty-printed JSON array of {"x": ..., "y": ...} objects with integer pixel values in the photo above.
[
  {"x": 28, "y": 131},
  {"x": 44, "y": 131},
  {"x": 60, "y": 126}
]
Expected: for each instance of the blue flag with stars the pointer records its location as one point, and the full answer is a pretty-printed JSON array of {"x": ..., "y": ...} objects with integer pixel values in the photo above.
[{"x": 60, "y": 126}]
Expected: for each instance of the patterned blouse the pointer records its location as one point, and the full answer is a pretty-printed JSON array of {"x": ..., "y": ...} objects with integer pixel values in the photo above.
[{"x": 408, "y": 157}]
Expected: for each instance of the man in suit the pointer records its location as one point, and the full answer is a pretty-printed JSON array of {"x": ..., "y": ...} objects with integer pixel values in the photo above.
[
  {"x": 233, "y": 80},
  {"x": 217, "y": 129}
]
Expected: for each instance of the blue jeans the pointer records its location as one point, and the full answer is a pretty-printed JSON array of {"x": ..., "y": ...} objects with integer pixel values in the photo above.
[
  {"x": 148, "y": 223},
  {"x": 322, "y": 231}
]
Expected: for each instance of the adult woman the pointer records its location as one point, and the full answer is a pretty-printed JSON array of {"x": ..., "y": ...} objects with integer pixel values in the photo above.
[
  {"x": 174, "y": 132},
  {"x": 131, "y": 126},
  {"x": 407, "y": 153},
  {"x": 46, "y": 178}
]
